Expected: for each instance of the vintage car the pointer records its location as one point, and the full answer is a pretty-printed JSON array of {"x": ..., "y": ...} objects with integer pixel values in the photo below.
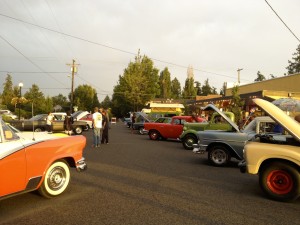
[
  {"x": 221, "y": 146},
  {"x": 172, "y": 129},
  {"x": 275, "y": 158},
  {"x": 189, "y": 134},
  {"x": 140, "y": 119},
  {"x": 38, "y": 124},
  {"x": 84, "y": 116},
  {"x": 42, "y": 164}
]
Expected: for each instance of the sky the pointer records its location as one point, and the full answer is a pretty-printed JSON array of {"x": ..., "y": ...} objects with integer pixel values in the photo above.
[{"x": 39, "y": 38}]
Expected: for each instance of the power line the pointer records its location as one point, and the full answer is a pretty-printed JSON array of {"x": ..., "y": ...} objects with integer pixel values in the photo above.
[
  {"x": 110, "y": 47},
  {"x": 282, "y": 21}
]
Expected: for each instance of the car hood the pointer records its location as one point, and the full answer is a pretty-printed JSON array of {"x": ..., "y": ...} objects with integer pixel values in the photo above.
[
  {"x": 291, "y": 125},
  {"x": 213, "y": 107}
]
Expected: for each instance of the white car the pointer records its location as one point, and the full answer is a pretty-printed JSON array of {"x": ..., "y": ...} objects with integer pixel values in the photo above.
[
  {"x": 84, "y": 116},
  {"x": 8, "y": 113}
]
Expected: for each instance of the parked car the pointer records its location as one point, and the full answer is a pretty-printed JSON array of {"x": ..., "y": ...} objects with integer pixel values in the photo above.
[
  {"x": 140, "y": 119},
  {"x": 221, "y": 146},
  {"x": 84, "y": 116},
  {"x": 275, "y": 158},
  {"x": 42, "y": 165},
  {"x": 189, "y": 134},
  {"x": 38, "y": 124},
  {"x": 172, "y": 129},
  {"x": 7, "y": 113}
]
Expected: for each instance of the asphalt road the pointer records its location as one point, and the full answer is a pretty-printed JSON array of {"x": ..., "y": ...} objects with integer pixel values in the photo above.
[{"x": 134, "y": 180}]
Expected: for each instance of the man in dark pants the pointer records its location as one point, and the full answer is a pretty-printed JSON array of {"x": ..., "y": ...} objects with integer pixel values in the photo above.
[{"x": 105, "y": 126}]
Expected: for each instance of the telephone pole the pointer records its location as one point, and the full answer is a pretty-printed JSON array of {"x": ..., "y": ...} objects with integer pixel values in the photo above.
[
  {"x": 239, "y": 70},
  {"x": 74, "y": 70}
]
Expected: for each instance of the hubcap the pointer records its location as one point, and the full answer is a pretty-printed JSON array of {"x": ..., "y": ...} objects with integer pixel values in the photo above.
[
  {"x": 219, "y": 156},
  {"x": 57, "y": 178}
]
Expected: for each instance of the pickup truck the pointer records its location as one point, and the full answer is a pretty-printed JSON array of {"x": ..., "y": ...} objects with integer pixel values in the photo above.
[
  {"x": 275, "y": 158},
  {"x": 170, "y": 129},
  {"x": 216, "y": 122}
]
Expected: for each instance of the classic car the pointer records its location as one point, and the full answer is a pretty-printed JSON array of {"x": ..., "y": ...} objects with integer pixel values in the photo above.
[
  {"x": 140, "y": 119},
  {"x": 84, "y": 116},
  {"x": 38, "y": 124},
  {"x": 189, "y": 134},
  {"x": 42, "y": 164},
  {"x": 275, "y": 158},
  {"x": 224, "y": 145},
  {"x": 172, "y": 129}
]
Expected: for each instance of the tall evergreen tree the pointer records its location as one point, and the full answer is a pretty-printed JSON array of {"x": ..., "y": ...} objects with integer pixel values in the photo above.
[
  {"x": 198, "y": 88},
  {"x": 36, "y": 100},
  {"x": 8, "y": 93},
  {"x": 165, "y": 83},
  {"x": 294, "y": 64},
  {"x": 236, "y": 104},
  {"x": 223, "y": 89},
  {"x": 175, "y": 89},
  {"x": 206, "y": 88},
  {"x": 189, "y": 91},
  {"x": 260, "y": 77}
]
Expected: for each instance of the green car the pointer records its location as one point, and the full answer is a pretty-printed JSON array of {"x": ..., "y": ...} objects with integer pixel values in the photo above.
[{"x": 189, "y": 134}]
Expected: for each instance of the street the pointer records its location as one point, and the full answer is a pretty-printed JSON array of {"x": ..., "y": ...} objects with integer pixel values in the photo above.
[{"x": 133, "y": 180}]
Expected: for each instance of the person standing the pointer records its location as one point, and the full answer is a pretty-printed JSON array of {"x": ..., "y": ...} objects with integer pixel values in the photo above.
[
  {"x": 68, "y": 123},
  {"x": 132, "y": 121},
  {"x": 97, "y": 125},
  {"x": 49, "y": 120},
  {"x": 105, "y": 127}
]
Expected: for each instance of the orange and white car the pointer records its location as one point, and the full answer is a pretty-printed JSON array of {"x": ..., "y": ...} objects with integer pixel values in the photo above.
[{"x": 38, "y": 164}]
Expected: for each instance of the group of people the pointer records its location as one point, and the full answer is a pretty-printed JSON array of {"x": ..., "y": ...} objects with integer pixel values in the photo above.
[{"x": 100, "y": 127}]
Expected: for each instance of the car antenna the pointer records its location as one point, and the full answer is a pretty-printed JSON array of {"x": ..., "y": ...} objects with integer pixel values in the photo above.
[{"x": 32, "y": 122}]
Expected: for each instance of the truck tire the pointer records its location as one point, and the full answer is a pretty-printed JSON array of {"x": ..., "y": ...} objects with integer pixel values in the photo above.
[
  {"x": 188, "y": 141},
  {"x": 280, "y": 181},
  {"x": 219, "y": 155}
]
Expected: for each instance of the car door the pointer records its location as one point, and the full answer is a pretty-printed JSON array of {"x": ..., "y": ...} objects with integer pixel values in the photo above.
[
  {"x": 12, "y": 164},
  {"x": 175, "y": 128}
]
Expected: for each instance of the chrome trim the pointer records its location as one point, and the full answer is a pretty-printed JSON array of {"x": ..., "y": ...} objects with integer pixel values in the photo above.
[{"x": 81, "y": 165}]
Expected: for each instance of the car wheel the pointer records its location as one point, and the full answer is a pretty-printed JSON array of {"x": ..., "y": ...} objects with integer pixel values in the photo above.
[
  {"x": 56, "y": 180},
  {"x": 154, "y": 135},
  {"x": 188, "y": 141},
  {"x": 218, "y": 155},
  {"x": 78, "y": 130},
  {"x": 141, "y": 130},
  {"x": 38, "y": 129},
  {"x": 280, "y": 181}
]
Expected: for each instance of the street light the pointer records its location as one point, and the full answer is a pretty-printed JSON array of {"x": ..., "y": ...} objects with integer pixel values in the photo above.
[{"x": 20, "y": 87}]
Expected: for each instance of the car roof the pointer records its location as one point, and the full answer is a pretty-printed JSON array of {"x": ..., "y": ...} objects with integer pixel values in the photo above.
[{"x": 291, "y": 125}]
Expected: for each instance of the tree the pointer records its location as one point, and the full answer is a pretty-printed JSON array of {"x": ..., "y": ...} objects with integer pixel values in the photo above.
[
  {"x": 8, "y": 93},
  {"x": 198, "y": 88},
  {"x": 260, "y": 77},
  {"x": 165, "y": 83},
  {"x": 60, "y": 100},
  {"x": 138, "y": 85},
  {"x": 36, "y": 100},
  {"x": 106, "y": 103},
  {"x": 175, "y": 89},
  {"x": 85, "y": 98},
  {"x": 294, "y": 64},
  {"x": 206, "y": 88},
  {"x": 236, "y": 104},
  {"x": 223, "y": 89},
  {"x": 189, "y": 91}
]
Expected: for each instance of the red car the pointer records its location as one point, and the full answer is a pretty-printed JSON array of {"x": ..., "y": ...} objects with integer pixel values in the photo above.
[
  {"x": 172, "y": 129},
  {"x": 37, "y": 164}
]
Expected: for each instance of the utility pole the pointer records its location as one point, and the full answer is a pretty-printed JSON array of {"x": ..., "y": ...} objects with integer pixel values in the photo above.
[
  {"x": 74, "y": 70},
  {"x": 239, "y": 81}
]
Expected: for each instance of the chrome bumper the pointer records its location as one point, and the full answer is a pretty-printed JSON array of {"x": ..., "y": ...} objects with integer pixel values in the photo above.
[
  {"x": 81, "y": 165},
  {"x": 199, "y": 149}
]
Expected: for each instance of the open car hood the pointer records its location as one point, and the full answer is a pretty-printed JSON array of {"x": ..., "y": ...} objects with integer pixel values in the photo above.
[
  {"x": 291, "y": 125},
  {"x": 213, "y": 107}
]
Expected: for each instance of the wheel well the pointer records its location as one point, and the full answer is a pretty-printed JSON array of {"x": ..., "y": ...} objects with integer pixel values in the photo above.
[
  {"x": 231, "y": 151},
  {"x": 70, "y": 161},
  {"x": 191, "y": 134},
  {"x": 268, "y": 161}
]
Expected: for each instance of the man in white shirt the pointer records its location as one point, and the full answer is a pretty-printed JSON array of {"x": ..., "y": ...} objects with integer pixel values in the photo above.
[{"x": 97, "y": 125}]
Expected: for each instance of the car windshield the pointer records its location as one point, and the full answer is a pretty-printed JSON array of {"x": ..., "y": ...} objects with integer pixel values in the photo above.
[
  {"x": 38, "y": 117},
  {"x": 8, "y": 133}
]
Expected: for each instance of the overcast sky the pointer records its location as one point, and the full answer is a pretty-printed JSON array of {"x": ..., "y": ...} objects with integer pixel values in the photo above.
[{"x": 38, "y": 38}]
